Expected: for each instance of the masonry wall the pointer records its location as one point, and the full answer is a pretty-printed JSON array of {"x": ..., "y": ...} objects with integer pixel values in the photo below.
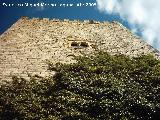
[{"x": 26, "y": 47}]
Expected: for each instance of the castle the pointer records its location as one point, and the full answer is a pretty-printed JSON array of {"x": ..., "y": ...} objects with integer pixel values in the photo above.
[{"x": 28, "y": 44}]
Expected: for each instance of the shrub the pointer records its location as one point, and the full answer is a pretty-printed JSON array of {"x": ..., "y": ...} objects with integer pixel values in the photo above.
[{"x": 96, "y": 87}]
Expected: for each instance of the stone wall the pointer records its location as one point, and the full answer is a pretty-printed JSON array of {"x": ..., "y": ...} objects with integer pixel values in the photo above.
[{"x": 26, "y": 47}]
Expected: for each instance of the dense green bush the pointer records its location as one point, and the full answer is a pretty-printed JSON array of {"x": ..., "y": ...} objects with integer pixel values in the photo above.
[{"x": 99, "y": 87}]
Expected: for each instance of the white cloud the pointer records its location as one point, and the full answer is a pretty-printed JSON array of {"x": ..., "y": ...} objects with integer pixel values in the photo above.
[{"x": 140, "y": 14}]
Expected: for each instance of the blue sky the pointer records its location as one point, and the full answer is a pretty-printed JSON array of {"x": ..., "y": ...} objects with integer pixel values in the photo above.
[
  {"x": 101, "y": 12},
  {"x": 10, "y": 15}
]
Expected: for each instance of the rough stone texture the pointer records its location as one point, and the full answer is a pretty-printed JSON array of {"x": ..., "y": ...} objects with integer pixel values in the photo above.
[{"x": 26, "y": 47}]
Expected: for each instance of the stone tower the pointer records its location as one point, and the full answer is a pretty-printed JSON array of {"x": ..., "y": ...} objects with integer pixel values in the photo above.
[{"x": 30, "y": 43}]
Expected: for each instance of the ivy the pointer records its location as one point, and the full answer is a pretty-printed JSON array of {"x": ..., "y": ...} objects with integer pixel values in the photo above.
[{"x": 97, "y": 87}]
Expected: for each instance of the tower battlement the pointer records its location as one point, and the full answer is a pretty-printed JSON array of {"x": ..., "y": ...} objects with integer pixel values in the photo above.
[{"x": 64, "y": 20}]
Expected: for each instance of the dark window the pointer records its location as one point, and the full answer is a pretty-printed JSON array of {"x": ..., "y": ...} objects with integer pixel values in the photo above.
[
  {"x": 74, "y": 44},
  {"x": 84, "y": 44}
]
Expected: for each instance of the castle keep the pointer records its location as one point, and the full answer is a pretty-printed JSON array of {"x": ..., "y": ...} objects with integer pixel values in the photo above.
[{"x": 26, "y": 47}]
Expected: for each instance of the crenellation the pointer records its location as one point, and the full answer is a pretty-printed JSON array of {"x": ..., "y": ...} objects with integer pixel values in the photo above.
[
  {"x": 24, "y": 18},
  {"x": 86, "y": 21},
  {"x": 34, "y": 20},
  {"x": 54, "y": 20},
  {"x": 45, "y": 20},
  {"x": 66, "y": 20}
]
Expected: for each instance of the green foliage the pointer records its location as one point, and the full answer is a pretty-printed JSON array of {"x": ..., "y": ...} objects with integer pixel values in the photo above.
[{"x": 98, "y": 87}]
